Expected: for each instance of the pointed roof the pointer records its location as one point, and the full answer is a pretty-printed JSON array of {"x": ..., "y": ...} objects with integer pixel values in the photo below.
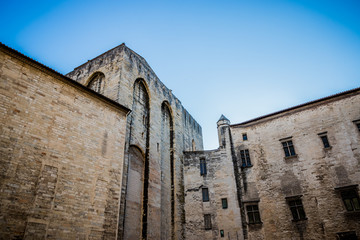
[{"x": 223, "y": 118}]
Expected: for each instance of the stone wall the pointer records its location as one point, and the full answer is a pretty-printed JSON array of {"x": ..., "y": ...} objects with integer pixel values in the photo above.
[
  {"x": 315, "y": 174},
  {"x": 163, "y": 195},
  {"x": 220, "y": 182},
  {"x": 62, "y": 155}
]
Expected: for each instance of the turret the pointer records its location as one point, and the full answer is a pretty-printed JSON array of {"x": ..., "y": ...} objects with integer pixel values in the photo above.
[{"x": 223, "y": 130}]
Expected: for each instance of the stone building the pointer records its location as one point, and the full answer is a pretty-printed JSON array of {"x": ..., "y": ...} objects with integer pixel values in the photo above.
[
  {"x": 108, "y": 152},
  {"x": 294, "y": 175},
  {"x": 75, "y": 166}
]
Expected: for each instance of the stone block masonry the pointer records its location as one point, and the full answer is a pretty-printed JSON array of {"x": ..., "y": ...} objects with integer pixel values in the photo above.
[
  {"x": 62, "y": 155},
  {"x": 159, "y": 129}
]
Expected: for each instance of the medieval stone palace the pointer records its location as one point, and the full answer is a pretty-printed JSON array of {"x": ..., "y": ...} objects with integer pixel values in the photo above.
[{"x": 108, "y": 152}]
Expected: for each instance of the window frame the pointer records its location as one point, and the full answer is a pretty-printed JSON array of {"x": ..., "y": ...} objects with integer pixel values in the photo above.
[
  {"x": 325, "y": 140},
  {"x": 288, "y": 147},
  {"x": 253, "y": 213},
  {"x": 207, "y": 222},
  {"x": 203, "y": 169},
  {"x": 205, "y": 194},
  {"x": 244, "y": 137},
  {"x": 224, "y": 203},
  {"x": 351, "y": 194},
  {"x": 296, "y": 206},
  {"x": 245, "y": 158}
]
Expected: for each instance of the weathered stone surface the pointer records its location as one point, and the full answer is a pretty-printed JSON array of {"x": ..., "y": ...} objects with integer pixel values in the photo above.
[
  {"x": 73, "y": 166},
  {"x": 160, "y": 127},
  {"x": 313, "y": 173},
  {"x": 62, "y": 155}
]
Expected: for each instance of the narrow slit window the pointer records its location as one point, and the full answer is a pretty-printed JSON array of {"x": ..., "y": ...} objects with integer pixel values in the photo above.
[
  {"x": 224, "y": 203},
  {"x": 203, "y": 170},
  {"x": 325, "y": 141}
]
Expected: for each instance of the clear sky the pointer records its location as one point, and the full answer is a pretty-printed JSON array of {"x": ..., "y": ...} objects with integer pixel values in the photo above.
[{"x": 239, "y": 58}]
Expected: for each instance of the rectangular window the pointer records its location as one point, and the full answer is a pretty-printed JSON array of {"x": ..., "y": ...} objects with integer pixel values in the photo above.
[
  {"x": 297, "y": 209},
  {"x": 244, "y": 137},
  {"x": 324, "y": 139},
  {"x": 289, "y": 149},
  {"x": 224, "y": 203},
  {"x": 351, "y": 200},
  {"x": 205, "y": 194},
  {"x": 207, "y": 221},
  {"x": 245, "y": 158},
  {"x": 222, "y": 234},
  {"x": 253, "y": 213},
  {"x": 203, "y": 167}
]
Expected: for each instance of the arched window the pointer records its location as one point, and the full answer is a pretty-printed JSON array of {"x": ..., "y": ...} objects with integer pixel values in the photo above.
[{"x": 97, "y": 82}]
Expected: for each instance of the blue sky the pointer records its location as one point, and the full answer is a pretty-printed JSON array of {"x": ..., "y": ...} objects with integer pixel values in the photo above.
[{"x": 239, "y": 58}]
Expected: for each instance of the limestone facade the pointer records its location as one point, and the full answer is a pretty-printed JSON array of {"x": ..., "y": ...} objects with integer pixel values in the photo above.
[
  {"x": 297, "y": 173},
  {"x": 62, "y": 155},
  {"x": 108, "y": 152},
  {"x": 159, "y": 129}
]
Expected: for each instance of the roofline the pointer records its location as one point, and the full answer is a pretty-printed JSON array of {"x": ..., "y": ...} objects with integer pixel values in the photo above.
[
  {"x": 331, "y": 97},
  {"x": 53, "y": 73},
  {"x": 121, "y": 45}
]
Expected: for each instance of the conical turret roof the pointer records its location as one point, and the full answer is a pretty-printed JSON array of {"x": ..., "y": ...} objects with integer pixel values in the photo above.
[{"x": 223, "y": 118}]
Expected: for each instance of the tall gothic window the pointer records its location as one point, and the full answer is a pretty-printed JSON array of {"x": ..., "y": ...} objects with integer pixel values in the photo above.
[{"x": 97, "y": 82}]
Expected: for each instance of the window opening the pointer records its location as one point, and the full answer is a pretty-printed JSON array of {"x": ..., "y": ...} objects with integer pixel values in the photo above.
[
  {"x": 324, "y": 139},
  {"x": 96, "y": 82},
  {"x": 351, "y": 200},
  {"x": 207, "y": 221},
  {"x": 297, "y": 209},
  {"x": 253, "y": 213},
  {"x": 222, "y": 233},
  {"x": 224, "y": 203},
  {"x": 205, "y": 194},
  {"x": 244, "y": 136},
  {"x": 288, "y": 148},
  {"x": 203, "y": 167},
  {"x": 245, "y": 158}
]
